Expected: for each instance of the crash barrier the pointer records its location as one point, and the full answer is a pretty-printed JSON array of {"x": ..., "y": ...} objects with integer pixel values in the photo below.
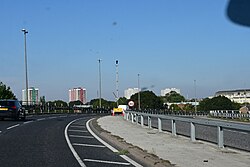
[
  {"x": 221, "y": 125},
  {"x": 230, "y": 114}
]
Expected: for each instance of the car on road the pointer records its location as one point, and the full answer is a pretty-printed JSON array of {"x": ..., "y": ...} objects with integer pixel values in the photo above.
[{"x": 11, "y": 109}]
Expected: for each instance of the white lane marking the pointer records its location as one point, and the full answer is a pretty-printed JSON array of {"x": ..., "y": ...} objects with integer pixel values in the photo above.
[
  {"x": 28, "y": 122},
  {"x": 77, "y": 126},
  {"x": 11, "y": 127},
  {"x": 110, "y": 147},
  {"x": 62, "y": 116},
  {"x": 41, "y": 119},
  {"x": 52, "y": 117},
  {"x": 70, "y": 145},
  {"x": 77, "y": 136},
  {"x": 107, "y": 162},
  {"x": 72, "y": 130},
  {"x": 88, "y": 145}
]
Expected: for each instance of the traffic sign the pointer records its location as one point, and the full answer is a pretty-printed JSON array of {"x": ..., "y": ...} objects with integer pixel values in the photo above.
[{"x": 131, "y": 103}]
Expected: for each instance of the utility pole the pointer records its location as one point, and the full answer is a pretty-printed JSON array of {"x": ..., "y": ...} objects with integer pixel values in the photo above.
[
  {"x": 139, "y": 98},
  {"x": 117, "y": 82},
  {"x": 26, "y": 66},
  {"x": 195, "y": 98},
  {"x": 100, "y": 85}
]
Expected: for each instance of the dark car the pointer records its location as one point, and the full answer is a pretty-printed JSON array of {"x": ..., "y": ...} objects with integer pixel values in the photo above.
[{"x": 11, "y": 109}]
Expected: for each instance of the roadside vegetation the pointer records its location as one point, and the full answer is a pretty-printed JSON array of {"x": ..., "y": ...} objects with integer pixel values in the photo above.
[{"x": 171, "y": 102}]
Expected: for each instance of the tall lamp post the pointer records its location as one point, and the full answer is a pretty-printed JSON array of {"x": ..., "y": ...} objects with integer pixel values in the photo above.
[
  {"x": 195, "y": 98},
  {"x": 117, "y": 82},
  {"x": 26, "y": 66},
  {"x": 100, "y": 85},
  {"x": 139, "y": 98}
]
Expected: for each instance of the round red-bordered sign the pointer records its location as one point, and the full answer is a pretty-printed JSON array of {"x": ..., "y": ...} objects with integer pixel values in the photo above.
[{"x": 131, "y": 104}]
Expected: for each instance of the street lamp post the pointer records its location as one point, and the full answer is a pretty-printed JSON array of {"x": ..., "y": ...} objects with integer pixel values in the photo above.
[
  {"x": 195, "y": 98},
  {"x": 117, "y": 82},
  {"x": 100, "y": 85},
  {"x": 26, "y": 66},
  {"x": 139, "y": 98}
]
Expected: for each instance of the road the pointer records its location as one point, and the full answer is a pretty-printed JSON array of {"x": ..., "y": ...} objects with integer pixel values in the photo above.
[{"x": 54, "y": 140}]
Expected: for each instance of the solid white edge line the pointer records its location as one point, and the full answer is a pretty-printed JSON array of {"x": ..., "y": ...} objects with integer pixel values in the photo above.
[
  {"x": 110, "y": 147},
  {"x": 70, "y": 145},
  {"x": 107, "y": 162},
  {"x": 11, "y": 127}
]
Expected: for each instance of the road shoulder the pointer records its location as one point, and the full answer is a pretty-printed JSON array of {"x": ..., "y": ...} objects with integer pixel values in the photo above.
[{"x": 136, "y": 153}]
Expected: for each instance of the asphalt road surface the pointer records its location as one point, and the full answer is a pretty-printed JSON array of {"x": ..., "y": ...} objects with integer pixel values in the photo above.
[{"x": 54, "y": 140}]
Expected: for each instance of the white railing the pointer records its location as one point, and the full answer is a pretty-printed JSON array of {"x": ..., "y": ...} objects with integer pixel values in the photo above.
[{"x": 221, "y": 125}]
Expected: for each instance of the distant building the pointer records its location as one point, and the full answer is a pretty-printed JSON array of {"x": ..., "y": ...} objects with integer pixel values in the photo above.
[
  {"x": 130, "y": 91},
  {"x": 76, "y": 94},
  {"x": 168, "y": 90},
  {"x": 238, "y": 96},
  {"x": 32, "y": 96}
]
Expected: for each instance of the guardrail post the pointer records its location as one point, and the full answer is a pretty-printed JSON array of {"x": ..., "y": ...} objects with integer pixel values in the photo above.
[
  {"x": 142, "y": 121},
  {"x": 137, "y": 118},
  {"x": 159, "y": 125},
  {"x": 220, "y": 137},
  {"x": 125, "y": 115},
  {"x": 173, "y": 127},
  {"x": 132, "y": 117},
  {"x": 192, "y": 131},
  {"x": 149, "y": 122}
]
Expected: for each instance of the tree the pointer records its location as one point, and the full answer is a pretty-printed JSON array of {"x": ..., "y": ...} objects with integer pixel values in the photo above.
[
  {"x": 5, "y": 92},
  {"x": 105, "y": 104},
  {"x": 173, "y": 97},
  {"x": 218, "y": 103},
  {"x": 123, "y": 101},
  {"x": 72, "y": 103},
  {"x": 148, "y": 100}
]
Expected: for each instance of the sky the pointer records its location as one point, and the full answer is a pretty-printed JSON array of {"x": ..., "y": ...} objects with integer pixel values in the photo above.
[{"x": 169, "y": 43}]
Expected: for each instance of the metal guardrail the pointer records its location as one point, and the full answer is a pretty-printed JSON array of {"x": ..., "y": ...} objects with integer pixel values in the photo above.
[
  {"x": 221, "y": 125},
  {"x": 230, "y": 115}
]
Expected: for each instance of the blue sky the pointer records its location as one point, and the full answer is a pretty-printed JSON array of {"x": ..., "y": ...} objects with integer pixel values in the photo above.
[{"x": 169, "y": 43}]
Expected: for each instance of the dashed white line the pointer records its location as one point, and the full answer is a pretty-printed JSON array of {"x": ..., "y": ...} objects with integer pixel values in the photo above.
[
  {"x": 11, "y": 127},
  {"x": 77, "y": 136},
  {"x": 88, "y": 145},
  {"x": 110, "y": 147},
  {"x": 28, "y": 122},
  {"x": 107, "y": 162},
  {"x": 84, "y": 131},
  {"x": 52, "y": 117},
  {"x": 77, "y": 126},
  {"x": 41, "y": 119},
  {"x": 70, "y": 145}
]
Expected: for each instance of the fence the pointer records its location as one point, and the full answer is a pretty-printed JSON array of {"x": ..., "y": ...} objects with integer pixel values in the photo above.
[{"x": 221, "y": 125}]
